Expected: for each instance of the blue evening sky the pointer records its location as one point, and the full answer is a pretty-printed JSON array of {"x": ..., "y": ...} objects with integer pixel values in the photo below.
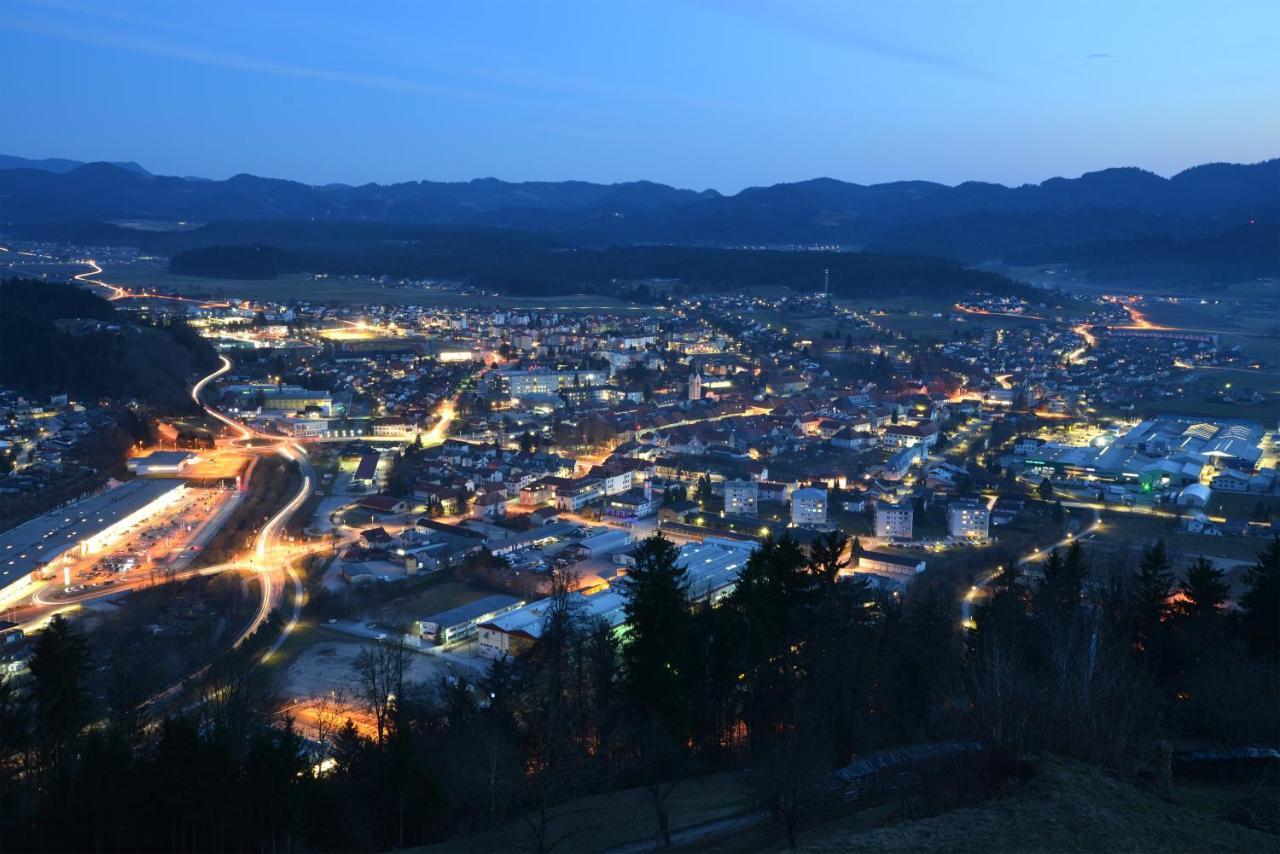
[{"x": 699, "y": 94}]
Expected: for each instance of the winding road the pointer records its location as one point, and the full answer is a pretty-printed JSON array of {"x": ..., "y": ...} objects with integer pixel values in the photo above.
[{"x": 271, "y": 559}]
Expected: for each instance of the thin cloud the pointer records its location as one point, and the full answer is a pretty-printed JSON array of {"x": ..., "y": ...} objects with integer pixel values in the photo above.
[
  {"x": 242, "y": 62},
  {"x": 1098, "y": 56},
  {"x": 799, "y": 22}
]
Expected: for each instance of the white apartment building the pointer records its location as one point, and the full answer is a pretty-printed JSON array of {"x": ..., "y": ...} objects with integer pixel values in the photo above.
[
  {"x": 894, "y": 521},
  {"x": 809, "y": 507},
  {"x": 741, "y": 497},
  {"x": 968, "y": 520}
]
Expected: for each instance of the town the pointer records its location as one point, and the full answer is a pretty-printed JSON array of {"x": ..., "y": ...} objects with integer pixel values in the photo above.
[
  {"x": 624, "y": 428},
  {"x": 447, "y": 467}
]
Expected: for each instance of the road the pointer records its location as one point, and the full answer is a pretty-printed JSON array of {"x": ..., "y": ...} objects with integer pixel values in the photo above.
[
  {"x": 979, "y": 590},
  {"x": 117, "y": 292},
  {"x": 271, "y": 560}
]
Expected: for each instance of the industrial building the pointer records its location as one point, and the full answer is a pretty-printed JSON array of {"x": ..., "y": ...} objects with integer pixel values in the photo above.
[
  {"x": 1160, "y": 453},
  {"x": 295, "y": 399},
  {"x": 85, "y": 527},
  {"x": 515, "y": 632},
  {"x": 712, "y": 566},
  {"x": 888, "y": 564},
  {"x": 161, "y": 463},
  {"x": 459, "y": 623}
]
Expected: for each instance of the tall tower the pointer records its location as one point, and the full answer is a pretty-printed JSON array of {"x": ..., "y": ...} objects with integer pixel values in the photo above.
[
  {"x": 695, "y": 386},
  {"x": 826, "y": 284}
]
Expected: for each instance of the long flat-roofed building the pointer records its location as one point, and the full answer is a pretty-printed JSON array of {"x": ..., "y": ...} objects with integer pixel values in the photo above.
[
  {"x": 713, "y": 567},
  {"x": 161, "y": 463},
  {"x": 85, "y": 527}
]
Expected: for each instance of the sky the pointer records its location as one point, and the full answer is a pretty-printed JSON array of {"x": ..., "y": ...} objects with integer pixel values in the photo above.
[{"x": 719, "y": 93}]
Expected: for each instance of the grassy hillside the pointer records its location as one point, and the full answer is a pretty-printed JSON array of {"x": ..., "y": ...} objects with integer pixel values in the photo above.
[{"x": 1066, "y": 806}]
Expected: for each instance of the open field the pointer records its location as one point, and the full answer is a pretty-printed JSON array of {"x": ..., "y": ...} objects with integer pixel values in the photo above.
[
  {"x": 1134, "y": 531},
  {"x": 432, "y": 598},
  {"x": 1231, "y": 504},
  {"x": 292, "y": 286}
]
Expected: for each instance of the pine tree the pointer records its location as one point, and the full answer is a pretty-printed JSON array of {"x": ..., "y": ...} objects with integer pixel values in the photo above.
[
  {"x": 60, "y": 665},
  {"x": 1063, "y": 581},
  {"x": 826, "y": 557},
  {"x": 1261, "y": 601},
  {"x": 655, "y": 664},
  {"x": 1155, "y": 580},
  {"x": 1204, "y": 588}
]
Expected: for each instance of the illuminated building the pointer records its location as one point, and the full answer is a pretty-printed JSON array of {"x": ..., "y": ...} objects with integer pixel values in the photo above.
[
  {"x": 85, "y": 527},
  {"x": 809, "y": 507},
  {"x": 968, "y": 520},
  {"x": 741, "y": 497},
  {"x": 894, "y": 521}
]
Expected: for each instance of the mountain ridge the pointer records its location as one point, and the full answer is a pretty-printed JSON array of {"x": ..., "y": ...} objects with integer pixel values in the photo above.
[{"x": 974, "y": 221}]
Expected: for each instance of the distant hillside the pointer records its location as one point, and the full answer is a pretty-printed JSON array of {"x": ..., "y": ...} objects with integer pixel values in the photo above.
[
  {"x": 61, "y": 338},
  {"x": 1248, "y": 252},
  {"x": 521, "y": 262},
  {"x": 1193, "y": 212},
  {"x": 60, "y": 165}
]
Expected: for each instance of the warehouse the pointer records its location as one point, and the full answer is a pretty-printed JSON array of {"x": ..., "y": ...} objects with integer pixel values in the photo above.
[
  {"x": 515, "y": 632},
  {"x": 162, "y": 463},
  {"x": 86, "y": 527},
  {"x": 713, "y": 567},
  {"x": 460, "y": 622},
  {"x": 892, "y": 565}
]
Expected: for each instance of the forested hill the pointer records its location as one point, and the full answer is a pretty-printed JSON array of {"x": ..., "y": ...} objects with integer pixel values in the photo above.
[
  {"x": 61, "y": 338},
  {"x": 235, "y": 262},
  {"x": 526, "y": 264}
]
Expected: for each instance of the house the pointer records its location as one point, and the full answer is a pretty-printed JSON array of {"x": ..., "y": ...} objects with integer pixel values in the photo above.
[
  {"x": 910, "y": 435},
  {"x": 635, "y": 503},
  {"x": 676, "y": 511},
  {"x": 768, "y": 490},
  {"x": 449, "y": 499},
  {"x": 544, "y": 516},
  {"x": 539, "y": 492},
  {"x": 1024, "y": 445},
  {"x": 384, "y": 504},
  {"x": 490, "y": 505},
  {"x": 849, "y": 439},
  {"x": 375, "y": 538},
  {"x": 579, "y": 494}
]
